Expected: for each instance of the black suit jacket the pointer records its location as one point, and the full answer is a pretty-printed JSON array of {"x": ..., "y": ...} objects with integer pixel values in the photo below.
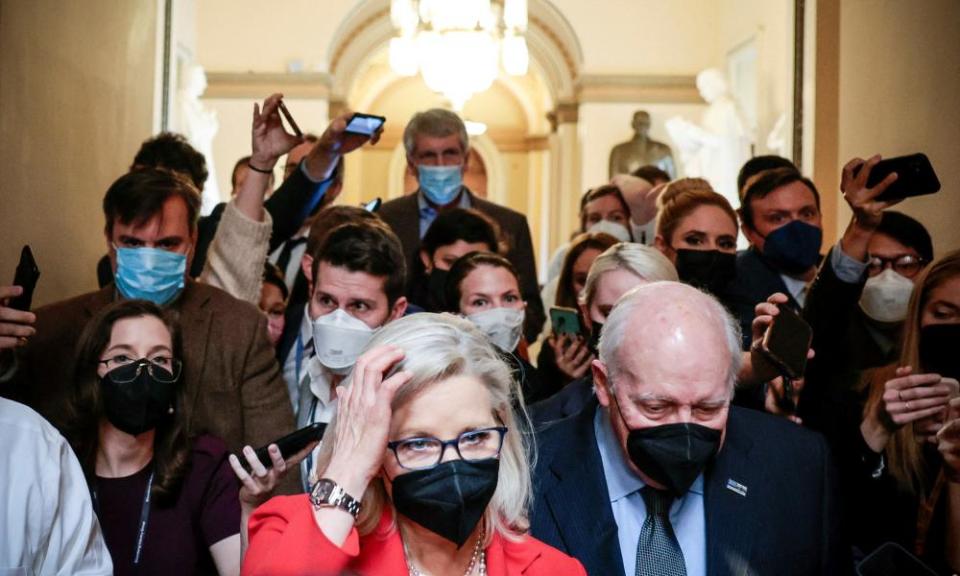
[
  {"x": 787, "y": 522},
  {"x": 755, "y": 281},
  {"x": 403, "y": 216}
]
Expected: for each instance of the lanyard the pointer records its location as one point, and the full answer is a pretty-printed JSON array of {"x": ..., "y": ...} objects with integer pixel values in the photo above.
[
  {"x": 298, "y": 358},
  {"x": 144, "y": 518},
  {"x": 308, "y": 462}
]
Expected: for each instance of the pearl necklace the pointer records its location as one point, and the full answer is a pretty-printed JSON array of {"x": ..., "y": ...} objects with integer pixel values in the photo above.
[{"x": 479, "y": 558}]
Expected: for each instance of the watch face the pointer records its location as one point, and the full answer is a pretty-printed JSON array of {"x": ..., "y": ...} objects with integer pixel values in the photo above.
[{"x": 322, "y": 490}]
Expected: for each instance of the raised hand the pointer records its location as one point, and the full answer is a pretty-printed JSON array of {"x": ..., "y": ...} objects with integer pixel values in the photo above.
[
  {"x": 866, "y": 210},
  {"x": 363, "y": 419},
  {"x": 269, "y": 139},
  {"x": 334, "y": 143}
]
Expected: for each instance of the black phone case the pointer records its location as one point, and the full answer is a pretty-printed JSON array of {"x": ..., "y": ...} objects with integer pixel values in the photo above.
[
  {"x": 26, "y": 276},
  {"x": 288, "y": 445},
  {"x": 915, "y": 177},
  {"x": 787, "y": 342}
]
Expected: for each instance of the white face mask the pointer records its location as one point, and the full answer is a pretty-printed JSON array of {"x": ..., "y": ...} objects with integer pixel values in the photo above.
[
  {"x": 338, "y": 339},
  {"x": 503, "y": 326},
  {"x": 618, "y": 231},
  {"x": 885, "y": 296}
]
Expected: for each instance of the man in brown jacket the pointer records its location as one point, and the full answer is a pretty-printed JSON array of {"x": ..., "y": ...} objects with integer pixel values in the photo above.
[{"x": 235, "y": 389}]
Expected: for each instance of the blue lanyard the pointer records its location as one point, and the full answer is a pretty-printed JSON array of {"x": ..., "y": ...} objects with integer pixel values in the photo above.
[
  {"x": 144, "y": 518},
  {"x": 298, "y": 358},
  {"x": 309, "y": 460}
]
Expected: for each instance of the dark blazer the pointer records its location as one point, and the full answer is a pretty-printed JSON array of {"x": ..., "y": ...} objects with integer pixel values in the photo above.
[
  {"x": 403, "y": 216},
  {"x": 570, "y": 400},
  {"x": 787, "y": 523},
  {"x": 235, "y": 389},
  {"x": 754, "y": 283}
]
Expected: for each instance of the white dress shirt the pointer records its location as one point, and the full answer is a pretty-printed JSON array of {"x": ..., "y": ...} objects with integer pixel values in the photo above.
[{"x": 46, "y": 517}]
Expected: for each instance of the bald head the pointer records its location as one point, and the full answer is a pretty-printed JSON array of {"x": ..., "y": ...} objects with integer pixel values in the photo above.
[{"x": 674, "y": 331}]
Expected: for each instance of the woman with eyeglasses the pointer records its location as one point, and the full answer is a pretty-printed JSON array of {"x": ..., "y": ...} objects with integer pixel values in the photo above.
[
  {"x": 907, "y": 483},
  {"x": 425, "y": 467},
  {"x": 167, "y": 501}
]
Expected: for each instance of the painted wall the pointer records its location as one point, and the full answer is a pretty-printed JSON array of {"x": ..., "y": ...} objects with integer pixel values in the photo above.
[
  {"x": 899, "y": 93},
  {"x": 75, "y": 103}
]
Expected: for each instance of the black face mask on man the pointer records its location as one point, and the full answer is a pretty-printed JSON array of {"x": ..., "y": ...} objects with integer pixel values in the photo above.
[
  {"x": 134, "y": 400},
  {"x": 672, "y": 455},
  {"x": 448, "y": 499}
]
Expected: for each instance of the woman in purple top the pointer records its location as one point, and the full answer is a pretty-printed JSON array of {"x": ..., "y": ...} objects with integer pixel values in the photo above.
[{"x": 167, "y": 502}]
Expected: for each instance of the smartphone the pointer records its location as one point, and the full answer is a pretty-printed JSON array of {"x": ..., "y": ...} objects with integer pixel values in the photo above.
[
  {"x": 915, "y": 177},
  {"x": 288, "y": 445},
  {"x": 786, "y": 343},
  {"x": 565, "y": 320},
  {"x": 365, "y": 124},
  {"x": 290, "y": 120},
  {"x": 373, "y": 205},
  {"x": 26, "y": 276},
  {"x": 891, "y": 559}
]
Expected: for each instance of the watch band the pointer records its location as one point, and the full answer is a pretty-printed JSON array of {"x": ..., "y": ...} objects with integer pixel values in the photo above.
[{"x": 327, "y": 493}]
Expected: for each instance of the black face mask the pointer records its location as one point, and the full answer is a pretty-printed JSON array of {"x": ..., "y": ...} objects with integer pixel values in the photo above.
[
  {"x": 939, "y": 347},
  {"x": 672, "y": 455},
  {"x": 436, "y": 280},
  {"x": 594, "y": 342},
  {"x": 710, "y": 270},
  {"x": 139, "y": 405},
  {"x": 448, "y": 499}
]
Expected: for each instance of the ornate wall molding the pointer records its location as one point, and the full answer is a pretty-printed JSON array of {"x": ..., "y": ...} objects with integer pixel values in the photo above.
[{"x": 257, "y": 84}]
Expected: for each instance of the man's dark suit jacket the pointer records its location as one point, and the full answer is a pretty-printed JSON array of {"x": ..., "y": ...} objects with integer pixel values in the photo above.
[
  {"x": 403, "y": 216},
  {"x": 235, "y": 389},
  {"x": 786, "y": 523},
  {"x": 755, "y": 281}
]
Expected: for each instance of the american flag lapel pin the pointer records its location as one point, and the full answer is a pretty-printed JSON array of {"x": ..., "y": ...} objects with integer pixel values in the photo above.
[{"x": 736, "y": 487}]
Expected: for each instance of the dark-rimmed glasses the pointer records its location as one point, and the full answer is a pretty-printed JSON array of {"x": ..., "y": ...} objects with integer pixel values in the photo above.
[
  {"x": 160, "y": 368},
  {"x": 906, "y": 265},
  {"x": 426, "y": 451}
]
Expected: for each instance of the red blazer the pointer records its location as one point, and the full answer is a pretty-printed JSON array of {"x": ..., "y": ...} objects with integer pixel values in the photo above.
[{"x": 285, "y": 539}]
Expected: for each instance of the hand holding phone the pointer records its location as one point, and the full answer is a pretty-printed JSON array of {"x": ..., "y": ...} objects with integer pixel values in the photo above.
[
  {"x": 26, "y": 277},
  {"x": 915, "y": 177},
  {"x": 290, "y": 444},
  {"x": 290, "y": 120},
  {"x": 364, "y": 124},
  {"x": 565, "y": 321},
  {"x": 786, "y": 343}
]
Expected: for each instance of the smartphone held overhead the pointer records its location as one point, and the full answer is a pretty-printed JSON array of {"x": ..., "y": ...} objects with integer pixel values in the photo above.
[
  {"x": 915, "y": 177},
  {"x": 365, "y": 124},
  {"x": 290, "y": 120},
  {"x": 26, "y": 277}
]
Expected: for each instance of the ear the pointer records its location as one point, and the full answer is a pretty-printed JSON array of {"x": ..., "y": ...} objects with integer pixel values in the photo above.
[
  {"x": 585, "y": 315},
  {"x": 427, "y": 262},
  {"x": 660, "y": 244},
  {"x": 600, "y": 382},
  {"x": 399, "y": 307}
]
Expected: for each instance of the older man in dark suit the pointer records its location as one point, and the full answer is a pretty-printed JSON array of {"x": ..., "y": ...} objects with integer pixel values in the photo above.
[
  {"x": 437, "y": 148},
  {"x": 234, "y": 385},
  {"x": 660, "y": 475}
]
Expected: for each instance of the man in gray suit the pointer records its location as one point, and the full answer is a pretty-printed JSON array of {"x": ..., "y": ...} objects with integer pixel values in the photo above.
[{"x": 437, "y": 149}]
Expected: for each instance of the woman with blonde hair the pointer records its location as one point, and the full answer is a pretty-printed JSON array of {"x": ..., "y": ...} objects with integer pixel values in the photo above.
[
  {"x": 911, "y": 410},
  {"x": 425, "y": 469}
]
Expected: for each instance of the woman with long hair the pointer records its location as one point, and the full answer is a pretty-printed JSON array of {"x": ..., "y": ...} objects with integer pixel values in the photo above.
[
  {"x": 909, "y": 491},
  {"x": 167, "y": 501}
]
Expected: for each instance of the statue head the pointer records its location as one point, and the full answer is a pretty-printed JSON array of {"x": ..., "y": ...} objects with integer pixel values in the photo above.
[
  {"x": 711, "y": 84},
  {"x": 641, "y": 122},
  {"x": 194, "y": 81}
]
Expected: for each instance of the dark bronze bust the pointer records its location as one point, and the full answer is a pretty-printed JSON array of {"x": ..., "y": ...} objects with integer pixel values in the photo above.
[{"x": 641, "y": 150}]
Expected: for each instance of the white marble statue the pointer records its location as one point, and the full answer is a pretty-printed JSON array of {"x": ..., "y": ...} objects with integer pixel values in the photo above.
[
  {"x": 717, "y": 147},
  {"x": 199, "y": 124}
]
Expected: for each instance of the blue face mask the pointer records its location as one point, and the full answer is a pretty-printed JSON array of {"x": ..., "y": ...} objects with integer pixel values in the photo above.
[
  {"x": 440, "y": 184},
  {"x": 794, "y": 247},
  {"x": 150, "y": 274}
]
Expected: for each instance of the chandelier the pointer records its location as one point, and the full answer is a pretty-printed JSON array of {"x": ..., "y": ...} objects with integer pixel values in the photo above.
[{"x": 458, "y": 45}]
